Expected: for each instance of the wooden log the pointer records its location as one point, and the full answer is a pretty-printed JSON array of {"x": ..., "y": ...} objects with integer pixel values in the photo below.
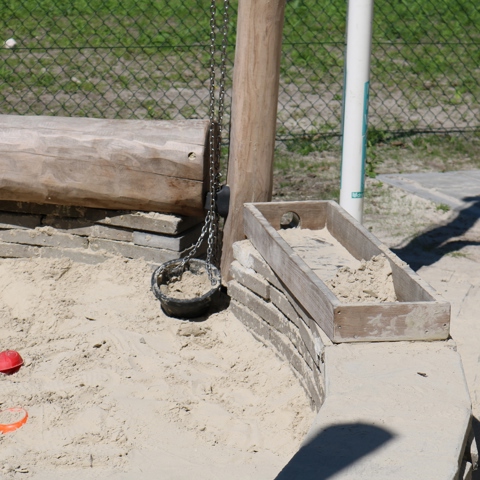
[
  {"x": 115, "y": 164},
  {"x": 254, "y": 113}
]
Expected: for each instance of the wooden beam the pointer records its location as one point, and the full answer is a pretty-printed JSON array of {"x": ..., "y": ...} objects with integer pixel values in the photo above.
[
  {"x": 254, "y": 113},
  {"x": 114, "y": 164}
]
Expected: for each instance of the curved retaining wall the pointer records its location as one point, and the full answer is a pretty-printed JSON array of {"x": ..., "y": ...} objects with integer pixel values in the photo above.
[{"x": 264, "y": 305}]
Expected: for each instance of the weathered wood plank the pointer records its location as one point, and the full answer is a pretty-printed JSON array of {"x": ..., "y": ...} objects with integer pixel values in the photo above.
[
  {"x": 409, "y": 286},
  {"x": 308, "y": 289},
  {"x": 312, "y": 214},
  {"x": 114, "y": 164},
  {"x": 420, "y": 314},
  {"x": 364, "y": 245},
  {"x": 392, "y": 322},
  {"x": 351, "y": 234}
]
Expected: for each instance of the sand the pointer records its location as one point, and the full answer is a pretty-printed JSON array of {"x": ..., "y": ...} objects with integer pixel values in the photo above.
[
  {"x": 351, "y": 280},
  {"x": 188, "y": 285},
  {"x": 116, "y": 389},
  {"x": 371, "y": 282}
]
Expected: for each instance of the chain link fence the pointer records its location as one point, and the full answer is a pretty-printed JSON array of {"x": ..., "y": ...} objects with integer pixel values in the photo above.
[{"x": 150, "y": 59}]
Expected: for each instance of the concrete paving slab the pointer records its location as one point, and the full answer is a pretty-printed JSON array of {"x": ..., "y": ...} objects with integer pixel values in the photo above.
[
  {"x": 392, "y": 410},
  {"x": 455, "y": 272},
  {"x": 455, "y": 189}
]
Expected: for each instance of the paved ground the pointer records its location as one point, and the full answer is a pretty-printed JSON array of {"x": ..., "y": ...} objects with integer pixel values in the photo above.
[
  {"x": 448, "y": 257},
  {"x": 455, "y": 189}
]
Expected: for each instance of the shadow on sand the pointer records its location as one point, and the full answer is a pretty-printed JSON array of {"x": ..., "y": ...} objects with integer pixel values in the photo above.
[{"x": 430, "y": 246}]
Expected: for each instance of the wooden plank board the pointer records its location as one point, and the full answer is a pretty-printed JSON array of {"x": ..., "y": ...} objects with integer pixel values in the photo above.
[
  {"x": 364, "y": 245},
  {"x": 114, "y": 164},
  {"x": 407, "y": 290},
  {"x": 290, "y": 268},
  {"x": 350, "y": 233},
  {"x": 309, "y": 214},
  {"x": 392, "y": 321}
]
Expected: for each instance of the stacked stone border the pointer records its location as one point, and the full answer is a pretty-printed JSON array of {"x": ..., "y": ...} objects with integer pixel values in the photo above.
[
  {"x": 263, "y": 303},
  {"x": 91, "y": 235}
]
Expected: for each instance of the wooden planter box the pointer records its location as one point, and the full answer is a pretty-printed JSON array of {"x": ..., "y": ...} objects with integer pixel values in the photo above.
[{"x": 419, "y": 313}]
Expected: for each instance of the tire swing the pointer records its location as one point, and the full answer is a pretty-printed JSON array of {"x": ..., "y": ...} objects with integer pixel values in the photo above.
[{"x": 187, "y": 287}]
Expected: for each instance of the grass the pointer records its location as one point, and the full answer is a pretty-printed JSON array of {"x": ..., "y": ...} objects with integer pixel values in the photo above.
[
  {"x": 457, "y": 254},
  {"x": 126, "y": 53},
  {"x": 443, "y": 207},
  {"x": 303, "y": 172}
]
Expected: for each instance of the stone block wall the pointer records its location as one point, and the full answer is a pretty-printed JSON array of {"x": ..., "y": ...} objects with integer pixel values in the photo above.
[
  {"x": 92, "y": 235},
  {"x": 263, "y": 303}
]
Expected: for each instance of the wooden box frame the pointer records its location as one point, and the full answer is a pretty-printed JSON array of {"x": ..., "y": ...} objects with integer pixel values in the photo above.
[{"x": 419, "y": 313}]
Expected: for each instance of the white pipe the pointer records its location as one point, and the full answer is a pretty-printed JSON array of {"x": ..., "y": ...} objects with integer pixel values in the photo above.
[{"x": 355, "y": 106}]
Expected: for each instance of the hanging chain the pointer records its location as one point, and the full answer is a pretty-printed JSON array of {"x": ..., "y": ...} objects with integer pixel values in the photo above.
[
  {"x": 216, "y": 147},
  {"x": 210, "y": 227}
]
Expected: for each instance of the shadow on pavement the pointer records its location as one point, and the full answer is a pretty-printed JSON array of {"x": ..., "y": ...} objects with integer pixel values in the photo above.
[
  {"x": 431, "y": 245},
  {"x": 334, "y": 449},
  {"x": 476, "y": 434}
]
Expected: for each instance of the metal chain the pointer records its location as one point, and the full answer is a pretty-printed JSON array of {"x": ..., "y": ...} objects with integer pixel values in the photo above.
[
  {"x": 214, "y": 259},
  {"x": 210, "y": 227}
]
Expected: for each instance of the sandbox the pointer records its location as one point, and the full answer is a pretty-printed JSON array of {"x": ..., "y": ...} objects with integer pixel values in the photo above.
[{"x": 115, "y": 389}]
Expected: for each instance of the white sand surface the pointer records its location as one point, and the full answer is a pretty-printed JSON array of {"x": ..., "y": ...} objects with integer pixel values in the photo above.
[{"x": 116, "y": 389}]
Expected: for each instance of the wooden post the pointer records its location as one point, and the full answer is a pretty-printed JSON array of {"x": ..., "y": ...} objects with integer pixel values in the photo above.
[{"x": 254, "y": 113}]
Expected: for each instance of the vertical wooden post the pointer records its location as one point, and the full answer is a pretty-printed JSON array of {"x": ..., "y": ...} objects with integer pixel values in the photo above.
[{"x": 254, "y": 113}]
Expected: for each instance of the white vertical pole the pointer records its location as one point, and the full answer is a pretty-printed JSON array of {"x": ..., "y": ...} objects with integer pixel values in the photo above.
[{"x": 355, "y": 105}]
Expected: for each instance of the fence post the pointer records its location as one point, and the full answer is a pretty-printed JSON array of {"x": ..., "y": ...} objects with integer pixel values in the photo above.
[
  {"x": 355, "y": 106},
  {"x": 254, "y": 113}
]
